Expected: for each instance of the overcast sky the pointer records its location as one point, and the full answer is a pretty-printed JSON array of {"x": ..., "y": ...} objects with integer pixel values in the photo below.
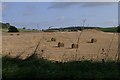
[{"x": 60, "y": 14}]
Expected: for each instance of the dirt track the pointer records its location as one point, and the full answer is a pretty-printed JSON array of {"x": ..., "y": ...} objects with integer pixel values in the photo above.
[{"x": 25, "y": 44}]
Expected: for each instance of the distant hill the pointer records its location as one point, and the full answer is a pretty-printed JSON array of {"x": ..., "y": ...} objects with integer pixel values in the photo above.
[
  {"x": 80, "y": 28},
  {"x": 69, "y": 29},
  {"x": 5, "y": 27}
]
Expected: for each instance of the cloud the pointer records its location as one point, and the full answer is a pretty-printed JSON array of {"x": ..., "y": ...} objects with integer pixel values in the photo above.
[
  {"x": 62, "y": 17},
  {"x": 86, "y": 0},
  {"x": 0, "y": 6},
  {"x": 81, "y": 4},
  {"x": 29, "y": 10},
  {"x": 94, "y": 4},
  {"x": 110, "y": 22},
  {"x": 5, "y": 6},
  {"x": 62, "y": 4}
]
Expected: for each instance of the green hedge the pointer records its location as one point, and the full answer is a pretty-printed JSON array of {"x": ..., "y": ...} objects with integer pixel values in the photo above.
[{"x": 112, "y": 29}]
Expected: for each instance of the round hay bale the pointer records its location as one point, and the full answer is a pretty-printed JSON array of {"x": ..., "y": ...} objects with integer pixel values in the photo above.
[
  {"x": 53, "y": 39},
  {"x": 18, "y": 34},
  {"x": 93, "y": 40},
  {"x": 74, "y": 45},
  {"x": 60, "y": 44},
  {"x": 11, "y": 34},
  {"x": 42, "y": 50}
]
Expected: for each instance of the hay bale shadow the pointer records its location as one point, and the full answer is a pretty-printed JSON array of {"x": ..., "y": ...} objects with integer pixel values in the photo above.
[
  {"x": 11, "y": 34},
  {"x": 17, "y": 34},
  {"x": 74, "y": 46},
  {"x": 93, "y": 40},
  {"x": 53, "y": 39},
  {"x": 61, "y": 44}
]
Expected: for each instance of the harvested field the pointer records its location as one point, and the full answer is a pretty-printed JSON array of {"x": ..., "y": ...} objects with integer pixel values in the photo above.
[{"x": 25, "y": 44}]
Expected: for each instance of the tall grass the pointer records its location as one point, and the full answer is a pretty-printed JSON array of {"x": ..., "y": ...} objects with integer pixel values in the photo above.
[{"x": 44, "y": 69}]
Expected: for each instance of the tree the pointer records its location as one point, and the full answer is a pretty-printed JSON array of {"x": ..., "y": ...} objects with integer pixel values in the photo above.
[
  {"x": 24, "y": 28},
  {"x": 3, "y": 26},
  {"x": 12, "y": 29},
  {"x": 118, "y": 29}
]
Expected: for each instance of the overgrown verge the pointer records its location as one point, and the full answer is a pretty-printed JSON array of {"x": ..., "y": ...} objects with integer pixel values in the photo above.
[{"x": 48, "y": 70}]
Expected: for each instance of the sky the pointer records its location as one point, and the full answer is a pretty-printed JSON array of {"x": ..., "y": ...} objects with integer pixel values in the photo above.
[{"x": 42, "y": 15}]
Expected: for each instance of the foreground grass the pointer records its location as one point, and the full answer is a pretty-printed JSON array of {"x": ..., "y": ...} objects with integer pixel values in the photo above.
[{"x": 44, "y": 69}]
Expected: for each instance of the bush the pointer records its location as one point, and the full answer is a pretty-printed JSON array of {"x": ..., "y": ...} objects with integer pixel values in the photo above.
[{"x": 12, "y": 29}]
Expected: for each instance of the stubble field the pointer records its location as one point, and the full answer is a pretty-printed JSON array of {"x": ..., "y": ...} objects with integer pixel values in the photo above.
[{"x": 25, "y": 44}]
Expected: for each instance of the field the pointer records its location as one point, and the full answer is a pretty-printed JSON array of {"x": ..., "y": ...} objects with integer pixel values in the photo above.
[
  {"x": 23, "y": 45},
  {"x": 35, "y": 55}
]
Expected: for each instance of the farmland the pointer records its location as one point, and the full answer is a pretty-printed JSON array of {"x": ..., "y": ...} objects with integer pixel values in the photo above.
[
  {"x": 25, "y": 53},
  {"x": 59, "y": 40},
  {"x": 24, "y": 45}
]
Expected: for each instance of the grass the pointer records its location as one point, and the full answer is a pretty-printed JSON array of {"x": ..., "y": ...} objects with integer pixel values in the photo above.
[
  {"x": 20, "y": 30},
  {"x": 25, "y": 30},
  {"x": 4, "y": 30},
  {"x": 110, "y": 29},
  {"x": 48, "y": 70}
]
